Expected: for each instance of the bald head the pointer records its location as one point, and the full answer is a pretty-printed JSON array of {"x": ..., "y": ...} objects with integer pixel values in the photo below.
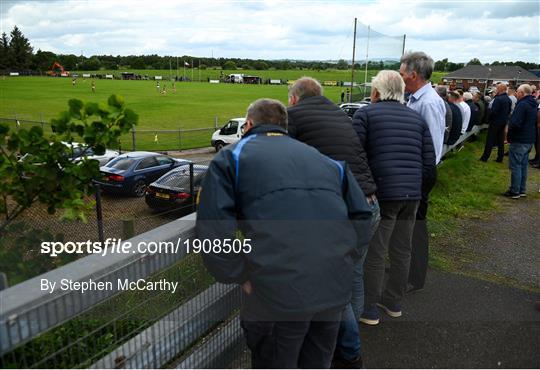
[
  {"x": 305, "y": 87},
  {"x": 501, "y": 88}
]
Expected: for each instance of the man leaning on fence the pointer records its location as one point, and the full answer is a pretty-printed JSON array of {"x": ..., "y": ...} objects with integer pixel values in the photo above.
[{"x": 306, "y": 218}]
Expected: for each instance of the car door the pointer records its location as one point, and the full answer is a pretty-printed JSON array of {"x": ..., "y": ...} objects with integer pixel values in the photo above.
[
  {"x": 165, "y": 164},
  {"x": 147, "y": 169}
]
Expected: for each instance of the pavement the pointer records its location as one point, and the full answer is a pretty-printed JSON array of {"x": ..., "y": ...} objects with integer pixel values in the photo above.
[{"x": 457, "y": 322}]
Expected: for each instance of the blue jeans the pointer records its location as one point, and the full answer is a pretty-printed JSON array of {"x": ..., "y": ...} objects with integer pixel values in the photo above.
[
  {"x": 348, "y": 344},
  {"x": 519, "y": 162}
]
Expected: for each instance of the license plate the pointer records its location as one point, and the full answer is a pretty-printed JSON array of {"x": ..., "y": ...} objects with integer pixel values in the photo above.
[{"x": 164, "y": 196}]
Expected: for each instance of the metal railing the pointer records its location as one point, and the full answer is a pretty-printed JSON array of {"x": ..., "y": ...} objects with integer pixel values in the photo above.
[{"x": 110, "y": 328}]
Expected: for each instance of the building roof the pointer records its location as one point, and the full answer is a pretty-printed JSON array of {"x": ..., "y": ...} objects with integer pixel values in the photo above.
[{"x": 508, "y": 73}]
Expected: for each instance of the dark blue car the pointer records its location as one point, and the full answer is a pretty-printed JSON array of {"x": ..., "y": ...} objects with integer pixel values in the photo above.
[{"x": 130, "y": 173}]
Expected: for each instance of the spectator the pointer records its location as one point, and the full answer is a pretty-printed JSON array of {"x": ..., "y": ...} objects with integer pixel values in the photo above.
[
  {"x": 416, "y": 69},
  {"x": 512, "y": 97},
  {"x": 498, "y": 118},
  {"x": 455, "y": 133},
  {"x": 521, "y": 135},
  {"x": 316, "y": 121},
  {"x": 443, "y": 92},
  {"x": 387, "y": 123},
  {"x": 465, "y": 112},
  {"x": 307, "y": 220},
  {"x": 479, "y": 102},
  {"x": 473, "y": 109}
]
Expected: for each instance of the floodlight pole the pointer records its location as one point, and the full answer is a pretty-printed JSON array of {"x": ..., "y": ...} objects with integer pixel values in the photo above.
[
  {"x": 352, "y": 69},
  {"x": 367, "y": 59}
]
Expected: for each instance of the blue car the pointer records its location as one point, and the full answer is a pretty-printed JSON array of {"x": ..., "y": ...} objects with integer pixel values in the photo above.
[{"x": 130, "y": 173}]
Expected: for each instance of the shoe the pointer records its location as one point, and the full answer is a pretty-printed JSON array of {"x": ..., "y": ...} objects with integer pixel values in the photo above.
[
  {"x": 413, "y": 289},
  {"x": 510, "y": 194},
  {"x": 370, "y": 316},
  {"x": 522, "y": 195},
  {"x": 499, "y": 160},
  {"x": 482, "y": 159},
  {"x": 392, "y": 310},
  {"x": 341, "y": 363}
]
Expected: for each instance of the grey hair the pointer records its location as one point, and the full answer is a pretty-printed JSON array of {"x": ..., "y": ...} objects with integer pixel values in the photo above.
[
  {"x": 419, "y": 62},
  {"x": 442, "y": 91},
  {"x": 526, "y": 89},
  {"x": 467, "y": 96},
  {"x": 268, "y": 111},
  {"x": 306, "y": 87},
  {"x": 390, "y": 85}
]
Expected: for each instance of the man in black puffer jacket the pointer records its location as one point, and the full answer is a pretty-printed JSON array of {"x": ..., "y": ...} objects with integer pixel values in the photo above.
[
  {"x": 316, "y": 121},
  {"x": 400, "y": 153}
]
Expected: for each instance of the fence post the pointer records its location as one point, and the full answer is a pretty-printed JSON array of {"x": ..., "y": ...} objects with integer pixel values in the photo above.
[
  {"x": 99, "y": 214},
  {"x": 191, "y": 187},
  {"x": 179, "y": 138},
  {"x": 133, "y": 146},
  {"x": 128, "y": 228},
  {"x": 3, "y": 281}
]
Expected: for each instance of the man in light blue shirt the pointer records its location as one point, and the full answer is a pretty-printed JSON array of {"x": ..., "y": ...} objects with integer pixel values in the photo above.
[{"x": 416, "y": 69}]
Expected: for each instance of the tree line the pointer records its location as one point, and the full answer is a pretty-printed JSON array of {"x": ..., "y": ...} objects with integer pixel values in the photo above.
[{"x": 16, "y": 54}]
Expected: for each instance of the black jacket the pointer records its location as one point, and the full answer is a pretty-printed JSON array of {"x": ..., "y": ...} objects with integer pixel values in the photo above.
[
  {"x": 522, "y": 126},
  {"x": 500, "y": 110},
  {"x": 318, "y": 122},
  {"x": 473, "y": 120},
  {"x": 457, "y": 122},
  {"x": 399, "y": 148},
  {"x": 296, "y": 206}
]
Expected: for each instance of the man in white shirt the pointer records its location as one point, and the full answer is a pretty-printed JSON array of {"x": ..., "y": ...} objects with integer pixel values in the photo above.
[
  {"x": 416, "y": 69},
  {"x": 465, "y": 113}
]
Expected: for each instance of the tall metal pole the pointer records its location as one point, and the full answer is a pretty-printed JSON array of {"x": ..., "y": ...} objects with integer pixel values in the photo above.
[
  {"x": 367, "y": 60},
  {"x": 177, "y": 68},
  {"x": 352, "y": 69},
  {"x": 170, "y": 69},
  {"x": 403, "y": 49},
  {"x": 192, "y": 66}
]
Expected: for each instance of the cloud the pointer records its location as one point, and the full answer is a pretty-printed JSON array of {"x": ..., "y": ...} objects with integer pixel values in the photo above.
[{"x": 277, "y": 29}]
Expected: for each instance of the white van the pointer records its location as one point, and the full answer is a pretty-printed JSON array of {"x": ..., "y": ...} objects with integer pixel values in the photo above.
[{"x": 228, "y": 134}]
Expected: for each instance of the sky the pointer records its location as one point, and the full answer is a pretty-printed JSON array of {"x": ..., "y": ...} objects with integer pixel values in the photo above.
[{"x": 274, "y": 29}]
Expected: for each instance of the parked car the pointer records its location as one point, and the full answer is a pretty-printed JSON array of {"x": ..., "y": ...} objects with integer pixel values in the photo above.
[
  {"x": 79, "y": 150},
  {"x": 351, "y": 108},
  {"x": 130, "y": 173},
  {"x": 228, "y": 134},
  {"x": 173, "y": 190}
]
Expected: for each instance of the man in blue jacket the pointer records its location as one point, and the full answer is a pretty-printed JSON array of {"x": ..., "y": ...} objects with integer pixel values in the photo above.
[
  {"x": 498, "y": 118},
  {"x": 400, "y": 154},
  {"x": 306, "y": 219},
  {"x": 521, "y": 135}
]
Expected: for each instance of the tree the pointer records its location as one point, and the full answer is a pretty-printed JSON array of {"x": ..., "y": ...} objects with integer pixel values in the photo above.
[
  {"x": 5, "y": 57},
  {"x": 47, "y": 174},
  {"x": 342, "y": 64},
  {"x": 20, "y": 50},
  {"x": 43, "y": 60},
  {"x": 441, "y": 65},
  {"x": 92, "y": 64},
  {"x": 260, "y": 65},
  {"x": 229, "y": 66},
  {"x": 474, "y": 62}
]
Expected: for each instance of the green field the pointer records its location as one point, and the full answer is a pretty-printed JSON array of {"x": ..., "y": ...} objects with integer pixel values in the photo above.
[{"x": 193, "y": 105}]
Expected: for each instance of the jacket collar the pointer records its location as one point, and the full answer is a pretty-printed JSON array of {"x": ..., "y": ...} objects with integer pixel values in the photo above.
[
  {"x": 265, "y": 128},
  {"x": 314, "y": 99}
]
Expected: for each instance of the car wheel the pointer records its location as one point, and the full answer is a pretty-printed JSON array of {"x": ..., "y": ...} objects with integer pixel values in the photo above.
[
  {"x": 139, "y": 189},
  {"x": 219, "y": 146}
]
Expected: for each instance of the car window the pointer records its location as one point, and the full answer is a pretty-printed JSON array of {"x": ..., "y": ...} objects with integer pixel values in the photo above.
[
  {"x": 164, "y": 160},
  {"x": 147, "y": 163},
  {"x": 121, "y": 163},
  {"x": 231, "y": 128}
]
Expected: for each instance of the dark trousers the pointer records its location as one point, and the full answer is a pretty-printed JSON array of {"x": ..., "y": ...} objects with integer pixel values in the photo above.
[
  {"x": 307, "y": 343},
  {"x": 495, "y": 137},
  {"x": 420, "y": 239},
  {"x": 537, "y": 146},
  {"x": 393, "y": 235}
]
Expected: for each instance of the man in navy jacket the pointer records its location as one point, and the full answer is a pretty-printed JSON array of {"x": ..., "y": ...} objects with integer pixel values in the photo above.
[
  {"x": 400, "y": 154},
  {"x": 498, "y": 118},
  {"x": 307, "y": 220},
  {"x": 521, "y": 135}
]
